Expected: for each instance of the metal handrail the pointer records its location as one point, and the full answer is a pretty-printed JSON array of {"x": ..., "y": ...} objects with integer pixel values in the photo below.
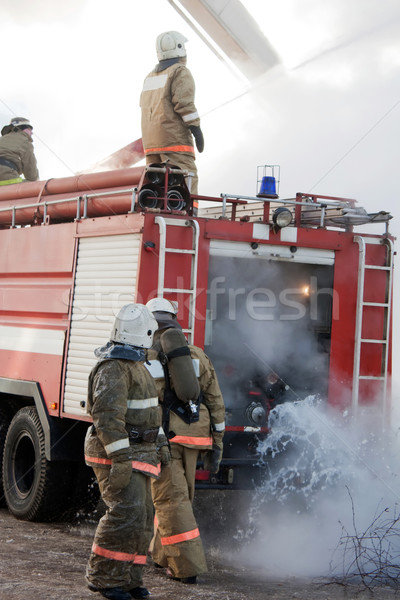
[
  {"x": 306, "y": 200},
  {"x": 289, "y": 201},
  {"x": 82, "y": 198},
  {"x": 325, "y": 203},
  {"x": 78, "y": 199},
  {"x": 65, "y": 200}
]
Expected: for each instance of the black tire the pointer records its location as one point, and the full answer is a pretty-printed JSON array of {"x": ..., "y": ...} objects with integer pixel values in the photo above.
[
  {"x": 34, "y": 488},
  {"x": 4, "y": 425}
]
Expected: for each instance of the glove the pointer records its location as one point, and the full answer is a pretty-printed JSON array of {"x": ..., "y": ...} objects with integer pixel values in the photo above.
[
  {"x": 164, "y": 455},
  {"x": 120, "y": 474},
  {"x": 163, "y": 450},
  {"x": 198, "y": 137},
  {"x": 213, "y": 458}
]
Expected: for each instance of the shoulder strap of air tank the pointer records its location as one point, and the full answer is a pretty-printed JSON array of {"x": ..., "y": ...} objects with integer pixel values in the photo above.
[{"x": 169, "y": 396}]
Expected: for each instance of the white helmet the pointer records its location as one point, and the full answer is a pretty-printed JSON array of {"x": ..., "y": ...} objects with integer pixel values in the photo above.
[
  {"x": 134, "y": 325},
  {"x": 162, "y": 305},
  {"x": 20, "y": 122},
  {"x": 170, "y": 44}
]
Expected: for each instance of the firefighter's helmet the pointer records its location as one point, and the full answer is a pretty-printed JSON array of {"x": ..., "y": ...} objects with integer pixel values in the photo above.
[
  {"x": 20, "y": 123},
  {"x": 170, "y": 44},
  {"x": 134, "y": 325},
  {"x": 162, "y": 305}
]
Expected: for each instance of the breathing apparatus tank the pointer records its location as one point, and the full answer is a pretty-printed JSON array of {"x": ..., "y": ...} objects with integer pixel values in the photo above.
[{"x": 180, "y": 366}]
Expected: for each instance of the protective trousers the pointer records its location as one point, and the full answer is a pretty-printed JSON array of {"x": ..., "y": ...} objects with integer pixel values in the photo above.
[
  {"x": 123, "y": 534},
  {"x": 177, "y": 543}
]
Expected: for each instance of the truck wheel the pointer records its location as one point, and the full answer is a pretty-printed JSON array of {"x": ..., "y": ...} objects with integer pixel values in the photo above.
[
  {"x": 4, "y": 425},
  {"x": 34, "y": 488}
]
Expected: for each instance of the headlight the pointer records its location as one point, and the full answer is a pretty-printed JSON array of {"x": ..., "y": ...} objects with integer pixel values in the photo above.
[
  {"x": 272, "y": 378},
  {"x": 282, "y": 217}
]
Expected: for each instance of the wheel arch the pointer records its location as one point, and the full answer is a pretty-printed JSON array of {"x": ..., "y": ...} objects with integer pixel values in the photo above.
[{"x": 63, "y": 437}]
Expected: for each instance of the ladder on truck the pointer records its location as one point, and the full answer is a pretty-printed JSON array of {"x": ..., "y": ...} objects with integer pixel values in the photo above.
[
  {"x": 384, "y": 340},
  {"x": 164, "y": 223}
]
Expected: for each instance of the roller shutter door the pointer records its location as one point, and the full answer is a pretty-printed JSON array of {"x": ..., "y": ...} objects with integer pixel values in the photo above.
[{"x": 105, "y": 280}]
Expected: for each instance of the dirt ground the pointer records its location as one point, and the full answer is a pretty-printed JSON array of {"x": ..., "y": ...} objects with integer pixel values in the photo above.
[{"x": 47, "y": 562}]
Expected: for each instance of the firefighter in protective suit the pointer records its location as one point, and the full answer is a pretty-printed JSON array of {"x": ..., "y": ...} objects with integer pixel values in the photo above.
[
  {"x": 16, "y": 152},
  {"x": 124, "y": 447},
  {"x": 170, "y": 119},
  {"x": 194, "y": 422}
]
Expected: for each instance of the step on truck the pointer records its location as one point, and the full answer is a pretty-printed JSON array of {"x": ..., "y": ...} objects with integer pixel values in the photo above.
[{"x": 286, "y": 296}]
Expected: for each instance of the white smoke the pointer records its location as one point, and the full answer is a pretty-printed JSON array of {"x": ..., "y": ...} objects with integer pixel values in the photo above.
[
  {"x": 329, "y": 473},
  {"x": 27, "y": 12},
  {"x": 262, "y": 321}
]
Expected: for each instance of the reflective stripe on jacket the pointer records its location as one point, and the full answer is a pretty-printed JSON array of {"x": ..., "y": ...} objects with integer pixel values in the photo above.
[
  {"x": 141, "y": 467},
  {"x": 10, "y": 181}
]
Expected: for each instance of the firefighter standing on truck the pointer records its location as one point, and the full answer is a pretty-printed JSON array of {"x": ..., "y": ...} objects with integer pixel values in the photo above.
[
  {"x": 169, "y": 116},
  {"x": 122, "y": 447},
  {"x": 17, "y": 156},
  {"x": 192, "y": 425}
]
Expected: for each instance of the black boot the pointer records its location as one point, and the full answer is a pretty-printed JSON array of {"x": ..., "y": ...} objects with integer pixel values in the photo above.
[
  {"x": 139, "y": 593},
  {"x": 191, "y": 580},
  {"x": 115, "y": 593}
]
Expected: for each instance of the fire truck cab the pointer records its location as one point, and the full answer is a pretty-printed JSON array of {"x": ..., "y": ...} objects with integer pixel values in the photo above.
[{"x": 286, "y": 298}]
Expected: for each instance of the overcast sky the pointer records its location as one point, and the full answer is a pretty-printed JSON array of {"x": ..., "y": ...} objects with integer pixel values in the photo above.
[{"x": 329, "y": 114}]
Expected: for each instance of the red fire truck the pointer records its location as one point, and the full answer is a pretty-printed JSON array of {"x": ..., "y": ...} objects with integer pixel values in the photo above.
[{"x": 286, "y": 297}]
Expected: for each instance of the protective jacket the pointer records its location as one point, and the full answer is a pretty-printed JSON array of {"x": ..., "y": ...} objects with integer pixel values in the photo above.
[
  {"x": 168, "y": 108},
  {"x": 17, "y": 150},
  {"x": 123, "y": 402}
]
